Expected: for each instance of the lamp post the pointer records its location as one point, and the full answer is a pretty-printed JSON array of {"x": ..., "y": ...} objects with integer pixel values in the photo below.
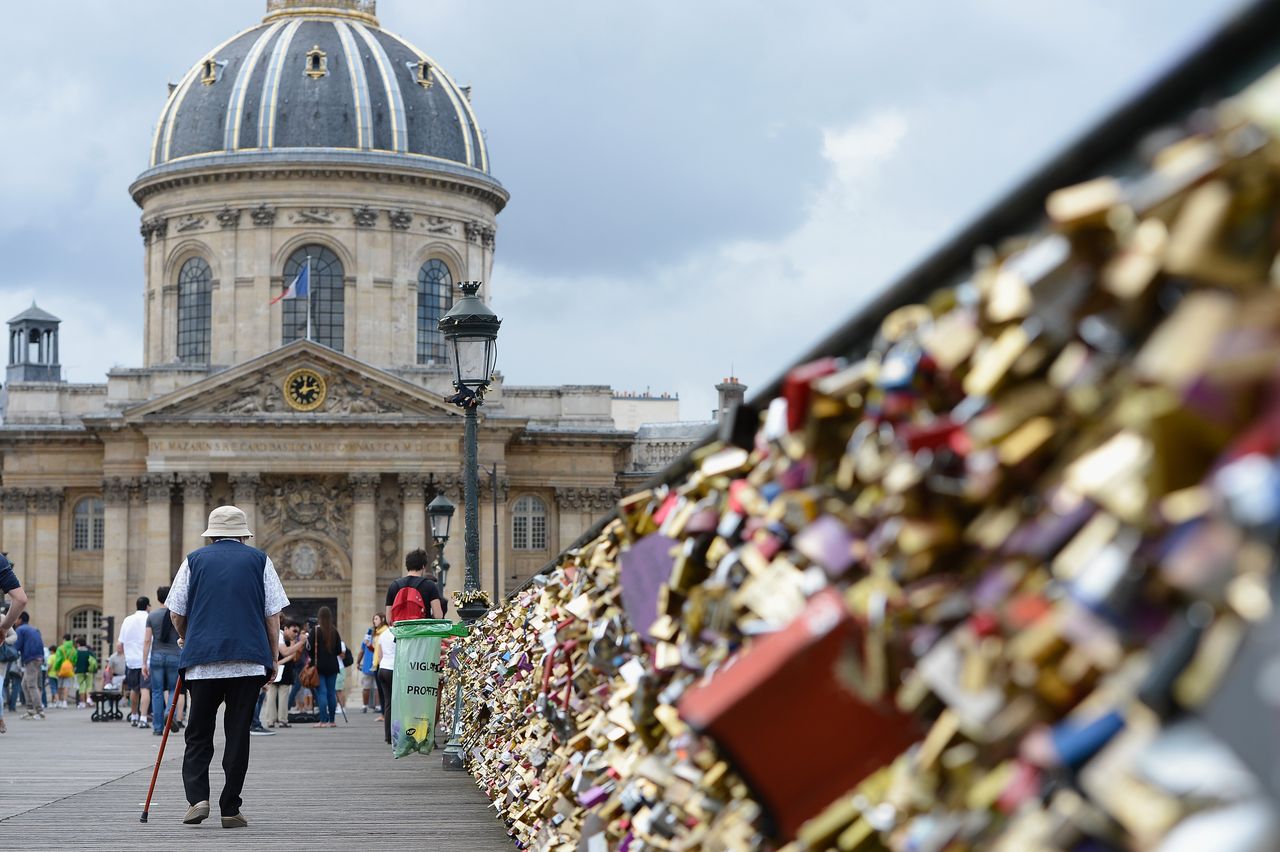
[
  {"x": 470, "y": 331},
  {"x": 440, "y": 512}
]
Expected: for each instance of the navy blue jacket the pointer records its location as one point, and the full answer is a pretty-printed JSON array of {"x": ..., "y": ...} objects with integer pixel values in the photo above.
[
  {"x": 226, "y": 606},
  {"x": 29, "y": 644}
]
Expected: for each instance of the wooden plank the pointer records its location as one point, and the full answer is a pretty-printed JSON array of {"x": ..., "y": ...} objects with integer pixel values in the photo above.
[{"x": 68, "y": 783}]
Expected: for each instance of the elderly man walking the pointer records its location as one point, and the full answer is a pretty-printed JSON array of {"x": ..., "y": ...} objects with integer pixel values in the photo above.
[{"x": 225, "y": 601}]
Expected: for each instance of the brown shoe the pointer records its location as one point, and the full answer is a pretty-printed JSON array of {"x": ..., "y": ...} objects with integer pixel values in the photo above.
[
  {"x": 236, "y": 821},
  {"x": 196, "y": 814}
]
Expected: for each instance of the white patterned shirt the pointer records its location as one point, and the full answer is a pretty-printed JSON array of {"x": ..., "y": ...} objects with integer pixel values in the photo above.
[{"x": 276, "y": 601}]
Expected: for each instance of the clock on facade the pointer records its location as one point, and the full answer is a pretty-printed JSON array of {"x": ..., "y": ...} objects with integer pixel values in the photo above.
[{"x": 304, "y": 390}]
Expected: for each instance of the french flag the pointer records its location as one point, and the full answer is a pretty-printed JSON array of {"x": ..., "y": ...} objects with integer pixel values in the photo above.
[{"x": 300, "y": 288}]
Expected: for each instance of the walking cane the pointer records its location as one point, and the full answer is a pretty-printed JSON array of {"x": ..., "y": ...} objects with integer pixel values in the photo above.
[{"x": 168, "y": 723}]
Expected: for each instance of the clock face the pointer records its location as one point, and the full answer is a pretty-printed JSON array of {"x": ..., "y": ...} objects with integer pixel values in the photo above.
[{"x": 304, "y": 390}]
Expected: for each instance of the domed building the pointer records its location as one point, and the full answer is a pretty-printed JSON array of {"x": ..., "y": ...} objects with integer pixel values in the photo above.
[
  {"x": 315, "y": 134},
  {"x": 314, "y": 140}
]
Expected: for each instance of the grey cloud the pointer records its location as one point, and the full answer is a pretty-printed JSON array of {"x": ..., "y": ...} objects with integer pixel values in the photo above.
[{"x": 642, "y": 143}]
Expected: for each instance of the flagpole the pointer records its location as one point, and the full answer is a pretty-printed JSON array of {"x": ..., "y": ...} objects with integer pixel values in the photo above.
[{"x": 308, "y": 297}]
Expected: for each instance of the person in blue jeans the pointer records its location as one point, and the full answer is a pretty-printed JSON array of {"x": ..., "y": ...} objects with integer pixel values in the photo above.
[
  {"x": 160, "y": 653},
  {"x": 368, "y": 674},
  {"x": 325, "y": 645},
  {"x": 13, "y": 686}
]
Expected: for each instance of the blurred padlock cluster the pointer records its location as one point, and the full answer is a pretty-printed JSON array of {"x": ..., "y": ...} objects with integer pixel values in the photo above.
[{"x": 1004, "y": 580}]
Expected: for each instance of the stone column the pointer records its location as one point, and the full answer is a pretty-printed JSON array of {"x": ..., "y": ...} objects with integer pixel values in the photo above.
[
  {"x": 599, "y": 502},
  {"x": 115, "y": 547},
  {"x": 14, "y": 503},
  {"x": 244, "y": 494},
  {"x": 364, "y": 551},
  {"x": 44, "y": 560},
  {"x": 195, "y": 493},
  {"x": 169, "y": 320},
  {"x": 413, "y": 527},
  {"x": 571, "y": 506},
  {"x": 578, "y": 509},
  {"x": 157, "y": 570}
]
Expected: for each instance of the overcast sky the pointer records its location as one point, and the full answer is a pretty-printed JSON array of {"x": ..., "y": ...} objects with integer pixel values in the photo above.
[{"x": 694, "y": 185}]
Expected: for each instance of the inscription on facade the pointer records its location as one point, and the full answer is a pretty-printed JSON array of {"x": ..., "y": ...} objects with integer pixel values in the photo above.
[{"x": 301, "y": 446}]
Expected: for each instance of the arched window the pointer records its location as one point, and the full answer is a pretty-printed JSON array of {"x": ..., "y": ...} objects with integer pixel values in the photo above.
[
  {"x": 195, "y": 311},
  {"x": 86, "y": 622},
  {"x": 435, "y": 298},
  {"x": 327, "y": 292},
  {"x": 529, "y": 524},
  {"x": 87, "y": 524}
]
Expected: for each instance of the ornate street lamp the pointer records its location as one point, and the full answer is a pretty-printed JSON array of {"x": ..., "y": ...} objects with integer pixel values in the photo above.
[
  {"x": 470, "y": 330},
  {"x": 440, "y": 512}
]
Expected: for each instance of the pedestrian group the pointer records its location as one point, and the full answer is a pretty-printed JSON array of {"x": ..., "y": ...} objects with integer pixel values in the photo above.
[{"x": 217, "y": 639}]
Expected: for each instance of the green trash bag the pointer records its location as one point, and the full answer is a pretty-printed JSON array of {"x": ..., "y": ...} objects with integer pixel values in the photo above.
[{"x": 416, "y": 683}]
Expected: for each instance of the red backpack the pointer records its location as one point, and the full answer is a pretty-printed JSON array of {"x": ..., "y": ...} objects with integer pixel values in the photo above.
[{"x": 408, "y": 603}]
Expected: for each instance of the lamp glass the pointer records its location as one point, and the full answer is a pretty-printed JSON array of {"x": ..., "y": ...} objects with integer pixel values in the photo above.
[
  {"x": 440, "y": 511},
  {"x": 474, "y": 357}
]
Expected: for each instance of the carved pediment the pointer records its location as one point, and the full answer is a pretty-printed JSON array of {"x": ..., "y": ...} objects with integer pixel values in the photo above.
[
  {"x": 263, "y": 392},
  {"x": 257, "y": 389}
]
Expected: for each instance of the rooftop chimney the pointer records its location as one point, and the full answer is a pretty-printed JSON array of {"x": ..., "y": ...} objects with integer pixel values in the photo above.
[{"x": 732, "y": 393}]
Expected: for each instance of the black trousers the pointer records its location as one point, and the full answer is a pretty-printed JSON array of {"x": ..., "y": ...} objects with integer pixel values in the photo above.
[
  {"x": 240, "y": 694},
  {"x": 384, "y": 693}
]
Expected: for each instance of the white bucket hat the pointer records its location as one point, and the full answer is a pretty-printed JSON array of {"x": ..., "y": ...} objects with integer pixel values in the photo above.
[{"x": 227, "y": 522}]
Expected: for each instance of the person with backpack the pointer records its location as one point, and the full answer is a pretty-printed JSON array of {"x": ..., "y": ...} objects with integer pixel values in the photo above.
[
  {"x": 86, "y": 665},
  {"x": 53, "y": 670},
  {"x": 160, "y": 654},
  {"x": 413, "y": 595},
  {"x": 64, "y": 668}
]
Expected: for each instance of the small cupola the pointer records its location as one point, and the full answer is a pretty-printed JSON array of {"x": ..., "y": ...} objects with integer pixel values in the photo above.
[{"x": 33, "y": 347}]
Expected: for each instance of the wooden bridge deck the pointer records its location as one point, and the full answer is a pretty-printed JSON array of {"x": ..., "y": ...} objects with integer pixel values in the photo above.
[{"x": 68, "y": 783}]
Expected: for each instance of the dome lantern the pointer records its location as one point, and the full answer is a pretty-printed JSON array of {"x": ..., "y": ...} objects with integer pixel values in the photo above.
[{"x": 366, "y": 10}]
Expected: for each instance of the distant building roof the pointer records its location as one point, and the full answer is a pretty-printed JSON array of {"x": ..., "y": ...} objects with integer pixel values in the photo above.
[
  {"x": 690, "y": 430},
  {"x": 34, "y": 313},
  {"x": 647, "y": 395}
]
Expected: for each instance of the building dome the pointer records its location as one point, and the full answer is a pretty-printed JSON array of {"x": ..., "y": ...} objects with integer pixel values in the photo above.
[{"x": 319, "y": 78}]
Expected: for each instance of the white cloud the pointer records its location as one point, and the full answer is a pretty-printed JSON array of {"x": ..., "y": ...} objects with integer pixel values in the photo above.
[
  {"x": 855, "y": 151},
  {"x": 746, "y": 305}
]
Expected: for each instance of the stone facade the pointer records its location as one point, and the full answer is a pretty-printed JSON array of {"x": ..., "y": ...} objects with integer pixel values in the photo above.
[
  {"x": 337, "y": 496},
  {"x": 106, "y": 486},
  {"x": 412, "y": 222}
]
